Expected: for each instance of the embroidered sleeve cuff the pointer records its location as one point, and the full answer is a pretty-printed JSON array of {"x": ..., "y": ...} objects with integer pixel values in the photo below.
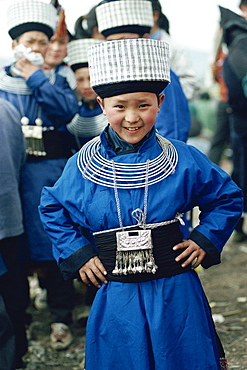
[
  {"x": 70, "y": 267},
  {"x": 212, "y": 256}
]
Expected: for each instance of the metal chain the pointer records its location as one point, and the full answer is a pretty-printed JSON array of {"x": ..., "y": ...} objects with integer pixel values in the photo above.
[
  {"x": 142, "y": 214},
  {"x": 116, "y": 196}
]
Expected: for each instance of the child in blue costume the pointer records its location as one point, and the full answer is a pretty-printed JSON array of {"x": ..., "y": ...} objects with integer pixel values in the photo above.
[
  {"x": 129, "y": 188},
  {"x": 89, "y": 121}
]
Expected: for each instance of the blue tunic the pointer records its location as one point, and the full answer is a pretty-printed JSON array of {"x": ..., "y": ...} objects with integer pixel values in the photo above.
[
  {"x": 46, "y": 95},
  {"x": 86, "y": 124},
  {"x": 12, "y": 158},
  {"x": 174, "y": 121},
  {"x": 159, "y": 324}
]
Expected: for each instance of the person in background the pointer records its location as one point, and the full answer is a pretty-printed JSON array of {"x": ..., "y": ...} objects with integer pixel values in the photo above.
[
  {"x": 234, "y": 74},
  {"x": 13, "y": 339},
  {"x": 7, "y": 338},
  {"x": 221, "y": 136},
  {"x": 46, "y": 103},
  {"x": 89, "y": 121},
  {"x": 87, "y": 27},
  {"x": 243, "y": 8},
  {"x": 150, "y": 311},
  {"x": 56, "y": 53},
  {"x": 180, "y": 62},
  {"x": 203, "y": 117},
  {"x": 54, "y": 62}
]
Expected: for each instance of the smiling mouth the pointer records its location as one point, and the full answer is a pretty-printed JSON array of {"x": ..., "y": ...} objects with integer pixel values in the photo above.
[{"x": 132, "y": 128}]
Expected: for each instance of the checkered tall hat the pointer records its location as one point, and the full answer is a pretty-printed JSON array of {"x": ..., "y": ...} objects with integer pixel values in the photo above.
[
  {"x": 129, "y": 65},
  {"x": 31, "y": 15},
  {"x": 77, "y": 52},
  {"x": 121, "y": 16}
]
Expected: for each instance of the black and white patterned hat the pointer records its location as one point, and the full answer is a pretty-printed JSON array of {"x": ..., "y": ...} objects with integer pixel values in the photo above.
[
  {"x": 31, "y": 15},
  {"x": 125, "y": 16},
  {"x": 78, "y": 52},
  {"x": 129, "y": 65}
]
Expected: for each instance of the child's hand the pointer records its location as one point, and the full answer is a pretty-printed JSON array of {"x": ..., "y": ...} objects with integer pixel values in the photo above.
[
  {"x": 93, "y": 270},
  {"x": 26, "y": 68},
  {"x": 192, "y": 251}
]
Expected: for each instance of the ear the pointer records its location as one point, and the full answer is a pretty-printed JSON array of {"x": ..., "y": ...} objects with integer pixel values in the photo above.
[
  {"x": 161, "y": 99},
  {"x": 14, "y": 44},
  {"x": 146, "y": 36},
  {"x": 156, "y": 16},
  {"x": 101, "y": 103}
]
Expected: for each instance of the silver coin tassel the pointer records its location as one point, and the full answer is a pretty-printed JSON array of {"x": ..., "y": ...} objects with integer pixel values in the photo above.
[
  {"x": 34, "y": 137},
  {"x": 32, "y": 133},
  {"x": 134, "y": 253}
]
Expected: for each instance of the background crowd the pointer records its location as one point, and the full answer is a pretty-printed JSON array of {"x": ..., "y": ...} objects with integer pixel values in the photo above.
[{"x": 48, "y": 111}]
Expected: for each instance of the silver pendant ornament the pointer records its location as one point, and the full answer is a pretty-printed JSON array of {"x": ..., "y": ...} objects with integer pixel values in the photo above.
[
  {"x": 34, "y": 137},
  {"x": 134, "y": 253}
]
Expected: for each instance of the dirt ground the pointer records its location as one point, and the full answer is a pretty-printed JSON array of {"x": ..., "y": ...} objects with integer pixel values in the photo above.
[{"x": 226, "y": 289}]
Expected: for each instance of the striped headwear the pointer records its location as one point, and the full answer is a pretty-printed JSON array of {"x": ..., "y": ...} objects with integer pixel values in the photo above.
[
  {"x": 125, "y": 16},
  {"x": 129, "y": 65},
  {"x": 78, "y": 52},
  {"x": 31, "y": 15}
]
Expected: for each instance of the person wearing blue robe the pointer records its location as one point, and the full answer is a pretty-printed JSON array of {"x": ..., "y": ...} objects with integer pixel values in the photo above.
[
  {"x": 174, "y": 112},
  {"x": 206, "y": 186},
  {"x": 87, "y": 124},
  {"x": 120, "y": 185},
  {"x": 46, "y": 104},
  {"x": 50, "y": 99},
  {"x": 89, "y": 121},
  {"x": 13, "y": 339}
]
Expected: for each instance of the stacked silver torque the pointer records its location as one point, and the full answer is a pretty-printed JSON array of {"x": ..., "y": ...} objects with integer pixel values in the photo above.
[{"x": 134, "y": 247}]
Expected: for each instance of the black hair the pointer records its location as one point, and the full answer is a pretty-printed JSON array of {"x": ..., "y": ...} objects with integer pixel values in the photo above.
[
  {"x": 163, "y": 21},
  {"x": 242, "y": 2},
  {"x": 80, "y": 32}
]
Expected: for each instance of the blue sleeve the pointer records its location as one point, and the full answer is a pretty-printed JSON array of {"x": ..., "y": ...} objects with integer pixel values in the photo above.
[
  {"x": 220, "y": 203},
  {"x": 58, "y": 99},
  {"x": 173, "y": 121},
  {"x": 61, "y": 219}
]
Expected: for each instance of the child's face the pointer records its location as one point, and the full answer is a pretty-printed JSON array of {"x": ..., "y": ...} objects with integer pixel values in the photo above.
[
  {"x": 56, "y": 52},
  {"x": 83, "y": 86},
  {"x": 132, "y": 115},
  {"x": 244, "y": 11}
]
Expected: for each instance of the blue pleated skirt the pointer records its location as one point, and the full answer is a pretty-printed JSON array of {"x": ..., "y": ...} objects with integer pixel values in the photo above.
[{"x": 163, "y": 324}]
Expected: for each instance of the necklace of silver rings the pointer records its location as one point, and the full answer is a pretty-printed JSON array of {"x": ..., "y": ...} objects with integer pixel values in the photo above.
[{"x": 109, "y": 173}]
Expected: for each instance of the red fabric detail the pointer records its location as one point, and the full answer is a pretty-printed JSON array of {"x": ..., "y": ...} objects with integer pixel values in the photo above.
[{"x": 223, "y": 364}]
